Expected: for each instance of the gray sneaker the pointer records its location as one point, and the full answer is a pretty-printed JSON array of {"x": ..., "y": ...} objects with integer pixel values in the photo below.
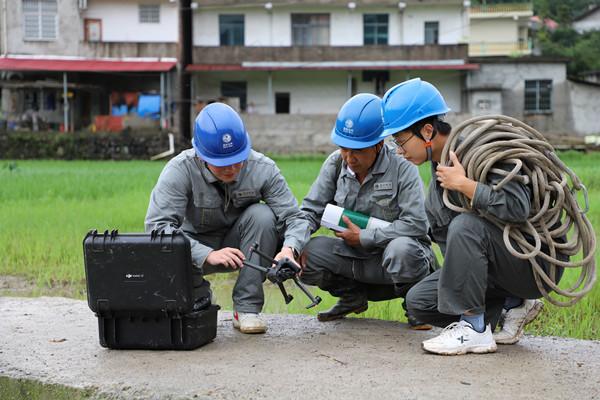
[{"x": 515, "y": 320}]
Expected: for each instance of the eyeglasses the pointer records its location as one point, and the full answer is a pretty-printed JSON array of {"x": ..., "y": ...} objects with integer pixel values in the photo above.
[{"x": 401, "y": 145}]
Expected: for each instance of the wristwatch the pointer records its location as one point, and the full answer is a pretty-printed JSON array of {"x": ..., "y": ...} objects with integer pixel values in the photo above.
[{"x": 295, "y": 252}]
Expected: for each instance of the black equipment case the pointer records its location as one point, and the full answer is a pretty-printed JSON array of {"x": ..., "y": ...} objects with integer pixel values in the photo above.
[{"x": 140, "y": 285}]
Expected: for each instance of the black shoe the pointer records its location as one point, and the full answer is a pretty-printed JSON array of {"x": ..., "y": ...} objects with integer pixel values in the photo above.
[
  {"x": 343, "y": 307},
  {"x": 416, "y": 325}
]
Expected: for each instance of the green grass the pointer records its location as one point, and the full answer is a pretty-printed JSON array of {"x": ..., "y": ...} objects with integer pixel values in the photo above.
[{"x": 46, "y": 207}]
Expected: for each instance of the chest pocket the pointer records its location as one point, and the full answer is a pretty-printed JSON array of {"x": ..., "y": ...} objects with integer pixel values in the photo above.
[
  {"x": 207, "y": 208},
  {"x": 383, "y": 205},
  {"x": 340, "y": 197},
  {"x": 245, "y": 197}
]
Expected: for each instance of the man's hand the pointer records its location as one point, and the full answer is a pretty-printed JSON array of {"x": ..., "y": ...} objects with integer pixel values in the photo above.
[
  {"x": 351, "y": 235},
  {"x": 289, "y": 253},
  {"x": 455, "y": 178},
  {"x": 228, "y": 256},
  {"x": 285, "y": 252}
]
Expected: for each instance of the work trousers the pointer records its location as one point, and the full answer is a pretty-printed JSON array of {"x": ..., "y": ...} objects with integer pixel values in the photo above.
[
  {"x": 257, "y": 224},
  {"x": 477, "y": 275},
  {"x": 345, "y": 271}
]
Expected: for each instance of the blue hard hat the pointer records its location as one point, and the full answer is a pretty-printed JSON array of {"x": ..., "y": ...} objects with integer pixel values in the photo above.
[
  {"x": 409, "y": 102},
  {"x": 359, "y": 122},
  {"x": 220, "y": 137}
]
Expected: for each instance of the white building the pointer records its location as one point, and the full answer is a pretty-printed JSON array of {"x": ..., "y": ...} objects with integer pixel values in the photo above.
[
  {"x": 500, "y": 29},
  {"x": 286, "y": 64},
  {"x": 292, "y": 57},
  {"x": 588, "y": 21}
]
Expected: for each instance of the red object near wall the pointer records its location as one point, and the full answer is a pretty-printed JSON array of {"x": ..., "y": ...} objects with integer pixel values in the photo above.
[{"x": 108, "y": 123}]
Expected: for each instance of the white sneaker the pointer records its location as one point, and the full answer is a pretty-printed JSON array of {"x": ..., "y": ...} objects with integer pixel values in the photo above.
[
  {"x": 460, "y": 338},
  {"x": 249, "y": 323},
  {"x": 515, "y": 320}
]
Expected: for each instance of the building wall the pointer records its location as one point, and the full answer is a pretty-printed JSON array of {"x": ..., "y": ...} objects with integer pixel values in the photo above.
[
  {"x": 120, "y": 21},
  {"x": 590, "y": 23},
  {"x": 511, "y": 78},
  {"x": 318, "y": 92},
  {"x": 453, "y": 24},
  {"x": 69, "y": 31},
  {"x": 494, "y": 30},
  {"x": 585, "y": 103},
  {"x": 263, "y": 28}
]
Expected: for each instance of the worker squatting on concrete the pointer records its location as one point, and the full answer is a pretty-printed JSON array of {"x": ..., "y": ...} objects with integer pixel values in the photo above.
[
  {"x": 225, "y": 197},
  {"x": 479, "y": 278},
  {"x": 366, "y": 176}
]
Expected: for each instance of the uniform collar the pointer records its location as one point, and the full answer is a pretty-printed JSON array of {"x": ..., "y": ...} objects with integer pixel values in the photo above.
[{"x": 206, "y": 174}]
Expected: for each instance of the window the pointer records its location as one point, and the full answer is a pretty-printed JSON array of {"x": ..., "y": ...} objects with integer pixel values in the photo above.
[
  {"x": 231, "y": 30},
  {"x": 432, "y": 32},
  {"x": 149, "y": 13},
  {"x": 375, "y": 28},
  {"x": 310, "y": 29},
  {"x": 40, "y": 19},
  {"x": 538, "y": 96},
  {"x": 282, "y": 103},
  {"x": 236, "y": 89}
]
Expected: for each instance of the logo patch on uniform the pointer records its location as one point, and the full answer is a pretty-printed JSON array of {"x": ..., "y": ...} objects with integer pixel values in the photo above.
[
  {"x": 348, "y": 125},
  {"x": 227, "y": 141},
  {"x": 383, "y": 186},
  {"x": 244, "y": 194}
]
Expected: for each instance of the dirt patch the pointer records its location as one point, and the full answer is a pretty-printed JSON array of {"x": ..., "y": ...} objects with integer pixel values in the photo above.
[{"x": 18, "y": 286}]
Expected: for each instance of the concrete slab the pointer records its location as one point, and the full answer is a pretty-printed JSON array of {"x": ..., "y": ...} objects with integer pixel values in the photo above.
[{"x": 55, "y": 341}]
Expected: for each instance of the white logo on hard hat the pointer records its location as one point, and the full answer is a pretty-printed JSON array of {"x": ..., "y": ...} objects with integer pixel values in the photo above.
[
  {"x": 227, "y": 141},
  {"x": 348, "y": 125}
]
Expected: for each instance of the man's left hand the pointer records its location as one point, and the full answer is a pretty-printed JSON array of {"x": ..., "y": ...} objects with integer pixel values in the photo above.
[
  {"x": 351, "y": 235},
  {"x": 455, "y": 177}
]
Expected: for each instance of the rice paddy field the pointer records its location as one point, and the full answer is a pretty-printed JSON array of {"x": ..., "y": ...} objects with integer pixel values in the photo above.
[{"x": 46, "y": 208}]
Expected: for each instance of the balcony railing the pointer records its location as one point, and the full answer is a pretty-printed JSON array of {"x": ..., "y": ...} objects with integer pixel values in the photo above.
[
  {"x": 477, "y": 49},
  {"x": 502, "y": 8},
  {"x": 127, "y": 49},
  {"x": 238, "y": 55}
]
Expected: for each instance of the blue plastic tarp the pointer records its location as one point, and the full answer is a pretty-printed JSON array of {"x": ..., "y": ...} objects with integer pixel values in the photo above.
[{"x": 149, "y": 106}]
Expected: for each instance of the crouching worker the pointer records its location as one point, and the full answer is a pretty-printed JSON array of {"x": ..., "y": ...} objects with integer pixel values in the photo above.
[
  {"x": 479, "y": 276},
  {"x": 225, "y": 197},
  {"x": 366, "y": 176}
]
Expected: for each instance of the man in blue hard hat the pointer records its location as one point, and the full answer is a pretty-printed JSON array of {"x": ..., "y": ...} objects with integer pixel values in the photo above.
[
  {"x": 366, "y": 176},
  {"x": 225, "y": 197}
]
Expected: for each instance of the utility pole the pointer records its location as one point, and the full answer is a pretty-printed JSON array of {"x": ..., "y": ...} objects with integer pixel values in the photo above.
[{"x": 185, "y": 58}]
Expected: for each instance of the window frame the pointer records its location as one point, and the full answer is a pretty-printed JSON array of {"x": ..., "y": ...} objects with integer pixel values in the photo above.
[
  {"x": 39, "y": 14},
  {"x": 436, "y": 32},
  {"x": 234, "y": 27},
  {"x": 309, "y": 30},
  {"x": 542, "y": 96},
  {"x": 148, "y": 7},
  {"x": 376, "y": 26}
]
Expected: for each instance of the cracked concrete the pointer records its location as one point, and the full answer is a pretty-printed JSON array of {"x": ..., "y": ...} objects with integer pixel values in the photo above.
[{"x": 54, "y": 340}]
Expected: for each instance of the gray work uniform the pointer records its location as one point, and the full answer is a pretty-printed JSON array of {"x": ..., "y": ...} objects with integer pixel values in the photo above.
[
  {"x": 396, "y": 255},
  {"x": 257, "y": 207},
  {"x": 478, "y": 271}
]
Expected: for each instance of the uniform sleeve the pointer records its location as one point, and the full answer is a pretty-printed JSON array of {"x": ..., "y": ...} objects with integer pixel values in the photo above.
[
  {"x": 511, "y": 204},
  {"x": 411, "y": 222},
  {"x": 168, "y": 203},
  {"x": 290, "y": 220},
  {"x": 321, "y": 192}
]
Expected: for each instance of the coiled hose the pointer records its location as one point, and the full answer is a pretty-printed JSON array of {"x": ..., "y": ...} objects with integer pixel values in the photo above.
[{"x": 481, "y": 143}]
